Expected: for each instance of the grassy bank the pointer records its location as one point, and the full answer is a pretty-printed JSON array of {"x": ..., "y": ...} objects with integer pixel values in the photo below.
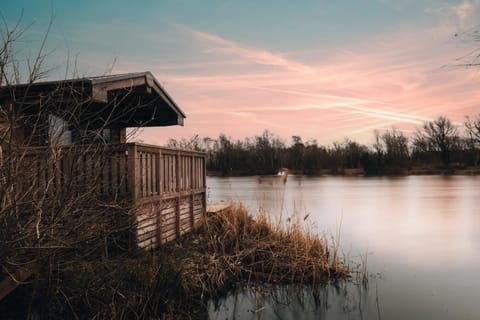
[{"x": 228, "y": 250}]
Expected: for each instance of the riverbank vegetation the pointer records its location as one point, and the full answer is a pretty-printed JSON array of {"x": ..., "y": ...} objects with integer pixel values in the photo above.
[
  {"x": 439, "y": 146},
  {"x": 228, "y": 250}
]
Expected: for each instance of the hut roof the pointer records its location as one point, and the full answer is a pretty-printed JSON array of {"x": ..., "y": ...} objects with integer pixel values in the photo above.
[{"x": 135, "y": 99}]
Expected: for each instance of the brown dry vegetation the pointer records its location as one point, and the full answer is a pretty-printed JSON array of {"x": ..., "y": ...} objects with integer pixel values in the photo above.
[
  {"x": 229, "y": 250},
  {"x": 232, "y": 249}
]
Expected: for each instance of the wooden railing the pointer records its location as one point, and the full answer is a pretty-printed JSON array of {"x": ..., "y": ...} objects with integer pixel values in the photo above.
[
  {"x": 134, "y": 172},
  {"x": 166, "y": 172},
  {"x": 165, "y": 188}
]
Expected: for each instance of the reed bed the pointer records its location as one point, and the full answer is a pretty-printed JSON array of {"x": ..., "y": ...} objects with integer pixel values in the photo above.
[{"x": 231, "y": 249}]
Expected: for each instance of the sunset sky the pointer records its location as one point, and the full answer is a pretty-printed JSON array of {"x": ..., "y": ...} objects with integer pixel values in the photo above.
[{"x": 323, "y": 70}]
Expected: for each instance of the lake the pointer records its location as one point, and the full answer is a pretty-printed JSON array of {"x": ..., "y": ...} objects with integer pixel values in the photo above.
[{"x": 419, "y": 236}]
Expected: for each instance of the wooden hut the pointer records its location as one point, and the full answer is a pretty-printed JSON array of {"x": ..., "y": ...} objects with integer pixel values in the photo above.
[{"x": 71, "y": 135}]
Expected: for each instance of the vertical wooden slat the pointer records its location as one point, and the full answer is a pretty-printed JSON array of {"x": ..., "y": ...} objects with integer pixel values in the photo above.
[
  {"x": 149, "y": 174},
  {"x": 114, "y": 180},
  {"x": 133, "y": 171},
  {"x": 104, "y": 168},
  {"x": 49, "y": 176},
  {"x": 154, "y": 174},
  {"x": 97, "y": 173},
  {"x": 195, "y": 173},
  {"x": 109, "y": 174},
  {"x": 141, "y": 178},
  {"x": 179, "y": 173},
  {"x": 186, "y": 174},
  {"x": 172, "y": 174},
  {"x": 168, "y": 173},
  {"x": 164, "y": 173},
  {"x": 123, "y": 171},
  {"x": 143, "y": 171},
  {"x": 69, "y": 182},
  {"x": 161, "y": 175}
]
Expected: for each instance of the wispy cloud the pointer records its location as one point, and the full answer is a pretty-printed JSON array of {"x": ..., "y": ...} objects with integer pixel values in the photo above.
[
  {"x": 392, "y": 79},
  {"x": 254, "y": 55},
  {"x": 462, "y": 15}
]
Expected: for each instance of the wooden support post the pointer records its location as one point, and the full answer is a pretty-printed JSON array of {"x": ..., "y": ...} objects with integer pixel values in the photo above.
[
  {"x": 177, "y": 179},
  {"x": 192, "y": 189},
  {"x": 204, "y": 182},
  {"x": 160, "y": 193}
]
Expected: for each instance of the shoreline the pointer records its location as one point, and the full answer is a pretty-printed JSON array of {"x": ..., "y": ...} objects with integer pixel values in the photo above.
[{"x": 419, "y": 171}]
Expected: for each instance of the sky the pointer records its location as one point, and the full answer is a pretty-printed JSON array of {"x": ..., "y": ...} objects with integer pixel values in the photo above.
[{"x": 323, "y": 70}]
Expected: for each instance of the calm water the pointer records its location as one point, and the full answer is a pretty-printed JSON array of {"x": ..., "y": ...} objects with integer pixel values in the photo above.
[{"x": 421, "y": 235}]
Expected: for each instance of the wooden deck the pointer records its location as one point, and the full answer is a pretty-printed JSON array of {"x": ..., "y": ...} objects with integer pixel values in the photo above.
[{"x": 166, "y": 187}]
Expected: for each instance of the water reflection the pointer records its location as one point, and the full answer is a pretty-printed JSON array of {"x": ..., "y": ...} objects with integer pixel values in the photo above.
[
  {"x": 422, "y": 233},
  {"x": 344, "y": 299}
]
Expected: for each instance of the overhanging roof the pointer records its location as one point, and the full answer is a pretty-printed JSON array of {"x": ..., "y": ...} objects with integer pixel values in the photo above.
[{"x": 131, "y": 99}]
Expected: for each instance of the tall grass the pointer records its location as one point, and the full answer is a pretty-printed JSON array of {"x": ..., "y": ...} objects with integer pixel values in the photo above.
[{"x": 232, "y": 249}]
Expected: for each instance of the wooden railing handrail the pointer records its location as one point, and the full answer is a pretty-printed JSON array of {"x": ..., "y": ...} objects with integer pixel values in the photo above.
[
  {"x": 93, "y": 146},
  {"x": 141, "y": 146}
]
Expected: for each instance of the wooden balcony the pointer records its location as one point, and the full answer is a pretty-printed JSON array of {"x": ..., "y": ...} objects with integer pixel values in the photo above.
[{"x": 165, "y": 187}]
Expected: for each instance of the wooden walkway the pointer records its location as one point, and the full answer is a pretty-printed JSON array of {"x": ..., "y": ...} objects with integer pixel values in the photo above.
[{"x": 216, "y": 208}]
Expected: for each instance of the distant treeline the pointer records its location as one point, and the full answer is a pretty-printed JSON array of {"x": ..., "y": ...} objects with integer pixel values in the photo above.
[{"x": 438, "y": 146}]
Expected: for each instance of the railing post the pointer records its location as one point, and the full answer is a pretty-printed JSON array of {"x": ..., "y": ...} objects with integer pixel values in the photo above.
[
  {"x": 177, "y": 179},
  {"x": 192, "y": 194},
  {"x": 159, "y": 209},
  {"x": 204, "y": 182}
]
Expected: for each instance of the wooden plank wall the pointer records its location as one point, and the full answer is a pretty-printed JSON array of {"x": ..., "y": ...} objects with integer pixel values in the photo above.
[
  {"x": 171, "y": 194},
  {"x": 164, "y": 221}
]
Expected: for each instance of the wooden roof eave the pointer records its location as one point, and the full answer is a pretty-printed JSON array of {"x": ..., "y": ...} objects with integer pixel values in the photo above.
[
  {"x": 153, "y": 83},
  {"x": 102, "y": 86}
]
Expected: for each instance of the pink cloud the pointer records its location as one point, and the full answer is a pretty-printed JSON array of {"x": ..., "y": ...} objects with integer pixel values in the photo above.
[
  {"x": 254, "y": 55},
  {"x": 396, "y": 79}
]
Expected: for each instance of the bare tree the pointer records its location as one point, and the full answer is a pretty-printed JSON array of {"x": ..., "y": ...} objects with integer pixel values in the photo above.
[
  {"x": 440, "y": 136},
  {"x": 396, "y": 145},
  {"x": 471, "y": 58},
  {"x": 54, "y": 212},
  {"x": 473, "y": 136}
]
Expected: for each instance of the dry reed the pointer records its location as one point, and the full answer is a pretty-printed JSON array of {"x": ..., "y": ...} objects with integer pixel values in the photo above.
[{"x": 232, "y": 249}]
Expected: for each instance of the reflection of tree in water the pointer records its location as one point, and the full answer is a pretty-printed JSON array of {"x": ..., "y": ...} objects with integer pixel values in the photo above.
[{"x": 342, "y": 300}]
